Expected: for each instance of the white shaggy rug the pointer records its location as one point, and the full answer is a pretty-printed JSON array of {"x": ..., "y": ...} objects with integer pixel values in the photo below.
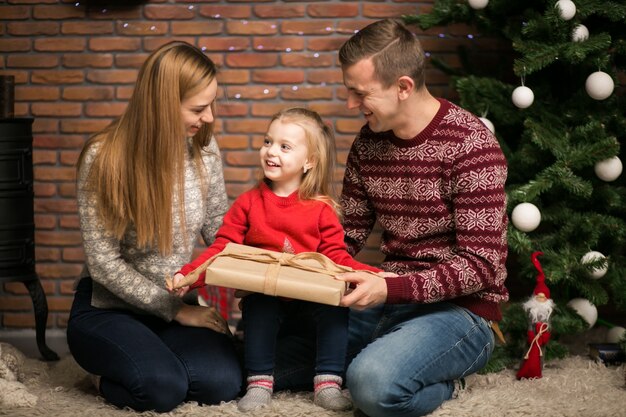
[{"x": 572, "y": 387}]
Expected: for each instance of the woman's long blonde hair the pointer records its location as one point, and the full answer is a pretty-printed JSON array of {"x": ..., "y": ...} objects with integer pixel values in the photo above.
[
  {"x": 317, "y": 183},
  {"x": 141, "y": 161}
]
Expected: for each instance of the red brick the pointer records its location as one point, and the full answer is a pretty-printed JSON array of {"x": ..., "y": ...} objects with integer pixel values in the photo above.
[
  {"x": 66, "y": 287},
  {"x": 70, "y": 221},
  {"x": 164, "y": 12},
  {"x": 380, "y": 11},
  {"x": 348, "y": 125},
  {"x": 332, "y": 109},
  {"x": 277, "y": 76},
  {"x": 87, "y": 60},
  {"x": 224, "y": 43},
  {"x": 281, "y": 11},
  {"x": 87, "y": 28},
  {"x": 141, "y": 28},
  {"x": 232, "y": 109},
  {"x": 58, "y": 238},
  {"x": 207, "y": 27},
  {"x": 60, "y": 303},
  {"x": 307, "y": 93},
  {"x": 150, "y": 44},
  {"x": 23, "y": 320},
  {"x": 57, "y": 141},
  {"x": 130, "y": 60},
  {"x": 246, "y": 126},
  {"x": 223, "y": 12},
  {"x": 53, "y": 271},
  {"x": 44, "y": 157},
  {"x": 88, "y": 93},
  {"x": 104, "y": 13},
  {"x": 233, "y": 76},
  {"x": 245, "y": 27},
  {"x": 333, "y": 10},
  {"x": 57, "y": 77},
  {"x": 328, "y": 76},
  {"x": 314, "y": 27},
  {"x": 58, "y": 45},
  {"x": 32, "y": 28},
  {"x": 235, "y": 190},
  {"x": 246, "y": 60},
  {"x": 67, "y": 190},
  {"x": 56, "y": 109},
  {"x": 14, "y": 45},
  {"x": 306, "y": 60},
  {"x": 20, "y": 288},
  {"x": 15, "y": 303},
  {"x": 83, "y": 126},
  {"x": 73, "y": 255},
  {"x": 69, "y": 157},
  {"x": 33, "y": 61},
  {"x": 45, "y": 221},
  {"x": 326, "y": 44},
  {"x": 105, "y": 44},
  {"x": 113, "y": 76},
  {"x": 21, "y": 77},
  {"x": 124, "y": 92},
  {"x": 45, "y": 126},
  {"x": 54, "y": 173},
  {"x": 104, "y": 109},
  {"x": 14, "y": 12},
  {"x": 226, "y": 142},
  {"x": 267, "y": 109},
  {"x": 351, "y": 26},
  {"x": 283, "y": 43},
  {"x": 47, "y": 254},
  {"x": 254, "y": 93},
  {"x": 26, "y": 93},
  {"x": 238, "y": 174},
  {"x": 58, "y": 13}
]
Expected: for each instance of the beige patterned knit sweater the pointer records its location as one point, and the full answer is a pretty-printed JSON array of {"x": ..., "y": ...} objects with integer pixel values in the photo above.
[{"x": 126, "y": 277}]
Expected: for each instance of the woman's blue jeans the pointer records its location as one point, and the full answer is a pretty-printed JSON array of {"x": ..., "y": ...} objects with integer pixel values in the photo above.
[
  {"x": 405, "y": 357},
  {"x": 147, "y": 363}
]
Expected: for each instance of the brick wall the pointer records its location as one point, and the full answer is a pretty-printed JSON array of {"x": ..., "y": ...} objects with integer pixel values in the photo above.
[{"x": 75, "y": 63}]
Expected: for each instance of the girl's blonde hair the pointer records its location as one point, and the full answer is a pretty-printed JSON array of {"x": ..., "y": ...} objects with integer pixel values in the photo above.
[
  {"x": 317, "y": 182},
  {"x": 141, "y": 161}
]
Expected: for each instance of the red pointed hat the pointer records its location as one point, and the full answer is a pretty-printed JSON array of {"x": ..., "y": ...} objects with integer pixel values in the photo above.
[{"x": 541, "y": 286}]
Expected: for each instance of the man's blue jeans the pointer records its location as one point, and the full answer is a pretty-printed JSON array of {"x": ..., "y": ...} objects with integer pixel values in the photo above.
[{"x": 406, "y": 356}]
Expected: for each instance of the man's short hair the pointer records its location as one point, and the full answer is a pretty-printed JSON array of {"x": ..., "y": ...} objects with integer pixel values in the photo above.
[{"x": 394, "y": 50}]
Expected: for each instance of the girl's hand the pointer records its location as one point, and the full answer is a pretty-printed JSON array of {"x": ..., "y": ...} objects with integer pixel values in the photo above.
[
  {"x": 199, "y": 316},
  {"x": 173, "y": 284}
]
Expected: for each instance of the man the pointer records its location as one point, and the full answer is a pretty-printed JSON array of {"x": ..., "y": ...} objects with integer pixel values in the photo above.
[{"x": 433, "y": 177}]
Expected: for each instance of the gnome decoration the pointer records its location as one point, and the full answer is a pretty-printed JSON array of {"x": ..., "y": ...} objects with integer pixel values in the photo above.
[{"x": 539, "y": 307}]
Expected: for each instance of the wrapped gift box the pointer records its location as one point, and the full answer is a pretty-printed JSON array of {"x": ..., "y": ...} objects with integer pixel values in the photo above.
[{"x": 305, "y": 276}]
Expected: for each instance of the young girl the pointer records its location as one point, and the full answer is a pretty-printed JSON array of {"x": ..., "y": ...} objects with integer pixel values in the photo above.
[{"x": 290, "y": 211}]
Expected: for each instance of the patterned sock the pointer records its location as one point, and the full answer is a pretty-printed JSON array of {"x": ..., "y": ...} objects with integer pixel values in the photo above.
[
  {"x": 258, "y": 392},
  {"x": 328, "y": 393}
]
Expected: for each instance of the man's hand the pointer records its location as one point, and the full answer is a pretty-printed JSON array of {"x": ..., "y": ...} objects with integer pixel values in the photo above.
[
  {"x": 369, "y": 290},
  {"x": 200, "y": 316}
]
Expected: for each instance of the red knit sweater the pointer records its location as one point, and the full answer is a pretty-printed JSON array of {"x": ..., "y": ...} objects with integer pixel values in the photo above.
[
  {"x": 440, "y": 201},
  {"x": 264, "y": 220}
]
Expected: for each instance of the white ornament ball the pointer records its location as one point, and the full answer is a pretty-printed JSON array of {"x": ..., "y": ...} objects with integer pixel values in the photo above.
[
  {"x": 608, "y": 169},
  {"x": 596, "y": 273},
  {"x": 478, "y": 4},
  {"x": 580, "y": 33},
  {"x": 523, "y": 97},
  {"x": 599, "y": 85},
  {"x": 615, "y": 334},
  {"x": 567, "y": 9},
  {"x": 526, "y": 217},
  {"x": 585, "y": 309},
  {"x": 488, "y": 123}
]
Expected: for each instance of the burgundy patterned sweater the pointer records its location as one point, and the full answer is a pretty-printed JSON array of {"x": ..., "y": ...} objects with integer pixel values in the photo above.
[{"x": 440, "y": 201}]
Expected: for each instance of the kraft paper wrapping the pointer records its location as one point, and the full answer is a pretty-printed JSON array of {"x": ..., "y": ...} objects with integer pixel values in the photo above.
[{"x": 306, "y": 276}]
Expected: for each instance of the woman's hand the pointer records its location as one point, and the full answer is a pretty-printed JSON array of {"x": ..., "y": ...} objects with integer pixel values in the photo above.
[{"x": 199, "y": 316}]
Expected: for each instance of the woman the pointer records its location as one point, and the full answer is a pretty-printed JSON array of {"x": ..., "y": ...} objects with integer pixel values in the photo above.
[{"x": 147, "y": 184}]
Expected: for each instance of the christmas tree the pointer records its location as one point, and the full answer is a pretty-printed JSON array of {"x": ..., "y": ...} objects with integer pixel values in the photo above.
[{"x": 559, "y": 113}]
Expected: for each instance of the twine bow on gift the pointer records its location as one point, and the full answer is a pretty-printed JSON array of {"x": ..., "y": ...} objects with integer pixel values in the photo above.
[{"x": 306, "y": 261}]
